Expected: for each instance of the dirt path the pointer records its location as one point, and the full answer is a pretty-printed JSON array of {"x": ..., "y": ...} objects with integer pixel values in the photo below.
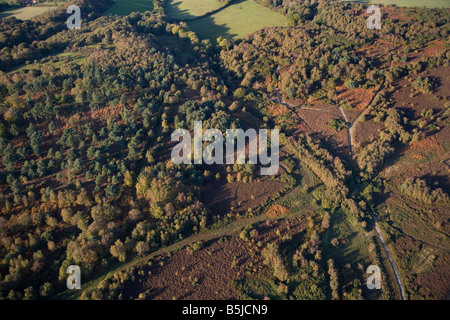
[
  {"x": 397, "y": 277},
  {"x": 280, "y": 100},
  {"x": 229, "y": 230},
  {"x": 352, "y": 126},
  {"x": 351, "y": 131}
]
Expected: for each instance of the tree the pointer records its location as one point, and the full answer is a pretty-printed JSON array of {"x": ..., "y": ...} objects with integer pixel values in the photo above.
[
  {"x": 142, "y": 248},
  {"x": 105, "y": 211},
  {"x": 128, "y": 179},
  {"x": 223, "y": 42},
  {"x": 333, "y": 279},
  {"x": 112, "y": 191},
  {"x": 46, "y": 289},
  {"x": 8, "y": 206},
  {"x": 51, "y": 127},
  {"x": 118, "y": 250},
  {"x": 66, "y": 214},
  {"x": 29, "y": 294},
  {"x": 273, "y": 258},
  {"x": 239, "y": 93},
  {"x": 2, "y": 130}
]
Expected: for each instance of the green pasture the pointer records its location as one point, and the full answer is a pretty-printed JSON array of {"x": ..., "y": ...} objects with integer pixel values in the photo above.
[{"x": 236, "y": 21}]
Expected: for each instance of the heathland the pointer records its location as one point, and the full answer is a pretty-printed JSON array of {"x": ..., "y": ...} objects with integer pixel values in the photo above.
[{"x": 87, "y": 179}]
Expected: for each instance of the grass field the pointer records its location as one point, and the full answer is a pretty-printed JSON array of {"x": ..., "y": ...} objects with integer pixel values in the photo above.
[
  {"x": 236, "y": 21},
  {"x": 125, "y": 7},
  {"x": 188, "y": 9},
  {"x": 26, "y": 13},
  {"x": 410, "y": 3},
  {"x": 59, "y": 60}
]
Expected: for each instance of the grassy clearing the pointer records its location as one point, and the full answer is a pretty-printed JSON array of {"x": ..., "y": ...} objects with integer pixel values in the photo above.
[
  {"x": 410, "y": 3},
  {"x": 236, "y": 21},
  {"x": 258, "y": 288},
  {"x": 55, "y": 60},
  {"x": 188, "y": 9},
  {"x": 353, "y": 245},
  {"x": 125, "y": 7},
  {"x": 26, "y": 13}
]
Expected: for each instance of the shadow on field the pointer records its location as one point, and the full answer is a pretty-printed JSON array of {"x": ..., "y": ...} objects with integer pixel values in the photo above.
[
  {"x": 184, "y": 15},
  {"x": 204, "y": 26},
  {"x": 7, "y": 13},
  {"x": 358, "y": 1},
  {"x": 176, "y": 11},
  {"x": 207, "y": 28}
]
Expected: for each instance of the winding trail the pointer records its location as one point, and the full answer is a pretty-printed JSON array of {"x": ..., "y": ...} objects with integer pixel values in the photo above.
[
  {"x": 367, "y": 109},
  {"x": 279, "y": 100},
  {"x": 350, "y": 130},
  {"x": 388, "y": 254},
  {"x": 351, "y": 133}
]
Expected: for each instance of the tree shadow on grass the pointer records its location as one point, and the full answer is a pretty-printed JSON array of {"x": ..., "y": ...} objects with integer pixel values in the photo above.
[
  {"x": 7, "y": 13},
  {"x": 174, "y": 10},
  {"x": 204, "y": 26},
  {"x": 207, "y": 28},
  {"x": 218, "y": 197},
  {"x": 358, "y": 1}
]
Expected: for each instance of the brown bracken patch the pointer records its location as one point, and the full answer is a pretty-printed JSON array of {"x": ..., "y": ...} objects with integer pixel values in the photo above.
[
  {"x": 429, "y": 144},
  {"x": 277, "y": 210},
  {"x": 358, "y": 98}
]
